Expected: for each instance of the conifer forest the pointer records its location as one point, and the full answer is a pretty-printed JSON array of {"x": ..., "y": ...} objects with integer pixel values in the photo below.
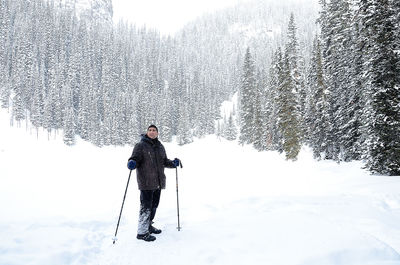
[{"x": 305, "y": 73}]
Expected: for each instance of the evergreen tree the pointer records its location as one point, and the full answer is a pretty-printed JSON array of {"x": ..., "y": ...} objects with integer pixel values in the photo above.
[
  {"x": 383, "y": 73},
  {"x": 230, "y": 130},
  {"x": 247, "y": 95},
  {"x": 336, "y": 38},
  {"x": 273, "y": 134},
  {"x": 84, "y": 83},
  {"x": 69, "y": 125},
  {"x": 259, "y": 141},
  {"x": 295, "y": 61},
  {"x": 19, "y": 77},
  {"x": 351, "y": 129},
  {"x": 166, "y": 120},
  {"x": 5, "y": 25},
  {"x": 184, "y": 135},
  {"x": 316, "y": 102},
  {"x": 288, "y": 113},
  {"x": 37, "y": 108},
  {"x": 201, "y": 97},
  {"x": 396, "y": 18}
]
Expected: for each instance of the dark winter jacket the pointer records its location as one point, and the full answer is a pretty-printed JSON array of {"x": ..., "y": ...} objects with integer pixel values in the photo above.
[{"x": 151, "y": 160}]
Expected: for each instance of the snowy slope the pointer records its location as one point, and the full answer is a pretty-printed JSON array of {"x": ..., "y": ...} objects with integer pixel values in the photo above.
[{"x": 60, "y": 205}]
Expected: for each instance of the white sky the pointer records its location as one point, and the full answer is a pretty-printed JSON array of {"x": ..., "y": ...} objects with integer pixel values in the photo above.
[{"x": 167, "y": 16}]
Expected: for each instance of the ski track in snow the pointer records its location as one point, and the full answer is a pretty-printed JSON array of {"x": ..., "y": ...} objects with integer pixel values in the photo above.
[{"x": 60, "y": 205}]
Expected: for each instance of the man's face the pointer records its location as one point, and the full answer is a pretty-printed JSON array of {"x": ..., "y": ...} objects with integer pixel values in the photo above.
[{"x": 152, "y": 133}]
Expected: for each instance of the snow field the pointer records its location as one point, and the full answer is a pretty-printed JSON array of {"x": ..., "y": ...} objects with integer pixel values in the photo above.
[{"x": 60, "y": 205}]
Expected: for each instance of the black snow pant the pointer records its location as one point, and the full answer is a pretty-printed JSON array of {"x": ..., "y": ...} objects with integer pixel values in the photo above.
[{"x": 149, "y": 200}]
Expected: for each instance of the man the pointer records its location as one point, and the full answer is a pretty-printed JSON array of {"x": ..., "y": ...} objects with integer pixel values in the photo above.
[{"x": 150, "y": 159}]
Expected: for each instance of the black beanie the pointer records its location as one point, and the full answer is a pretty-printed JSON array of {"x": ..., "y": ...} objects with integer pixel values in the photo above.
[{"x": 152, "y": 126}]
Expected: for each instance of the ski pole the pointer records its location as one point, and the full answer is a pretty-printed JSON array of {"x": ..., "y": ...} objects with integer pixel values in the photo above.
[
  {"x": 177, "y": 195},
  {"x": 122, "y": 207}
]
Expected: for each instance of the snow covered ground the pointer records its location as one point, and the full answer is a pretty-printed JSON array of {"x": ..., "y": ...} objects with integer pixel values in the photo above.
[{"x": 60, "y": 205}]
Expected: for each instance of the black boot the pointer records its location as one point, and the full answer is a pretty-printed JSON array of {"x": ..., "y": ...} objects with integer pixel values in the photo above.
[
  {"x": 146, "y": 237},
  {"x": 153, "y": 230}
]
